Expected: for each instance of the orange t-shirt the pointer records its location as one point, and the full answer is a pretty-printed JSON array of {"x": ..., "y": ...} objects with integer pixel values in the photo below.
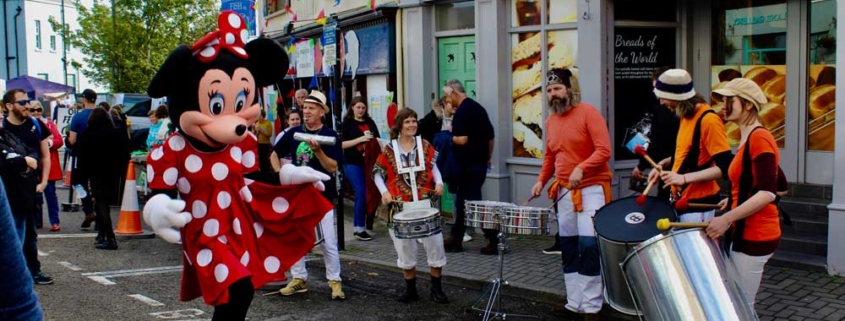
[
  {"x": 765, "y": 224},
  {"x": 579, "y": 138},
  {"x": 714, "y": 140}
]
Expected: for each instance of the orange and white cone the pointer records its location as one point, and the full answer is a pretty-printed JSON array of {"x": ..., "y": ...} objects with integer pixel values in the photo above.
[
  {"x": 130, "y": 216},
  {"x": 68, "y": 167}
]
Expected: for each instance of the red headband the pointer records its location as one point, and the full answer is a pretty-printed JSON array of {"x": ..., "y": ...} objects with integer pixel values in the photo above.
[{"x": 230, "y": 35}]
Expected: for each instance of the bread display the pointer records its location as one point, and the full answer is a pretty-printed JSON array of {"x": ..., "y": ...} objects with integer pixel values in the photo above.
[
  {"x": 528, "y": 108},
  {"x": 529, "y": 140},
  {"x": 822, "y": 111},
  {"x": 775, "y": 89},
  {"x": 760, "y": 75}
]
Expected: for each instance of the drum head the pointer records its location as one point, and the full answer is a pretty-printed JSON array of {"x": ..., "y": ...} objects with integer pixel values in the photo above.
[
  {"x": 623, "y": 220},
  {"x": 414, "y": 214}
]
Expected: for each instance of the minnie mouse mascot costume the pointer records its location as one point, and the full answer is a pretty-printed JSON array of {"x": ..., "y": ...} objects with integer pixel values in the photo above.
[{"x": 239, "y": 230}]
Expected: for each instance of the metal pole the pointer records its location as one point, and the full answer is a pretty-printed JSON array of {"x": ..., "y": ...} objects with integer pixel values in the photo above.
[
  {"x": 64, "y": 46},
  {"x": 336, "y": 109}
]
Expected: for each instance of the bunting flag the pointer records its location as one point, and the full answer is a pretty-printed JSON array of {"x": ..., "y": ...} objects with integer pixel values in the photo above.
[
  {"x": 291, "y": 46},
  {"x": 321, "y": 18},
  {"x": 288, "y": 9},
  {"x": 294, "y": 18},
  {"x": 313, "y": 83},
  {"x": 336, "y": 3},
  {"x": 371, "y": 4}
]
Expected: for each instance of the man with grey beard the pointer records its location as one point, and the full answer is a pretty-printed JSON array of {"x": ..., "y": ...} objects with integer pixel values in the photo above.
[{"x": 577, "y": 155}]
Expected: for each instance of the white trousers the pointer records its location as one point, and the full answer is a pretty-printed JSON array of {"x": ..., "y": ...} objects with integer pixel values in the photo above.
[
  {"x": 581, "y": 268},
  {"x": 330, "y": 254},
  {"x": 406, "y": 250},
  {"x": 750, "y": 271},
  {"x": 697, "y": 217}
]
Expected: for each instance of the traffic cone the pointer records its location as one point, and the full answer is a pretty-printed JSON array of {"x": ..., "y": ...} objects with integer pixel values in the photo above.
[
  {"x": 129, "y": 222},
  {"x": 68, "y": 167}
]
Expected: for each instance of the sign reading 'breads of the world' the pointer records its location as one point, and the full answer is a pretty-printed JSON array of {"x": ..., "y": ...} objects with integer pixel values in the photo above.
[{"x": 637, "y": 53}]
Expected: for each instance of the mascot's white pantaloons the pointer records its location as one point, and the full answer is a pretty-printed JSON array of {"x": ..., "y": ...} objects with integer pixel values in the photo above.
[{"x": 239, "y": 228}]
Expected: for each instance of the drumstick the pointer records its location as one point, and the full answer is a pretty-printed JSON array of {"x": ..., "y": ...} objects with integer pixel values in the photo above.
[
  {"x": 559, "y": 198},
  {"x": 528, "y": 200},
  {"x": 641, "y": 198},
  {"x": 684, "y": 204},
  {"x": 639, "y": 150},
  {"x": 664, "y": 224}
]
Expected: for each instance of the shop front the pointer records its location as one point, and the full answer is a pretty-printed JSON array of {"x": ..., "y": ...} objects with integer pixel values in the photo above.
[{"x": 788, "y": 47}]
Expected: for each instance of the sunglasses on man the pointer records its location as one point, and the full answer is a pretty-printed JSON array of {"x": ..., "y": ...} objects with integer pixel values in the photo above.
[{"x": 23, "y": 102}]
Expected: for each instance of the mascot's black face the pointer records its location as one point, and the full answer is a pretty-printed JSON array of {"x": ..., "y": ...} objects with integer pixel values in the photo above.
[{"x": 211, "y": 86}]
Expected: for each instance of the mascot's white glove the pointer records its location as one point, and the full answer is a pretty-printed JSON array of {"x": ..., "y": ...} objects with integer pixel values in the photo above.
[
  {"x": 163, "y": 214},
  {"x": 294, "y": 175}
]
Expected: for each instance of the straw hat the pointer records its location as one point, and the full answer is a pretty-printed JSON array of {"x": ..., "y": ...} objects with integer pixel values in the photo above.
[
  {"x": 674, "y": 84},
  {"x": 316, "y": 97}
]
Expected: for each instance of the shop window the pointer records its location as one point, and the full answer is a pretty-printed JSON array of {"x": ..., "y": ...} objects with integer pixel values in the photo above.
[
  {"x": 533, "y": 53},
  {"x": 455, "y": 16},
  {"x": 750, "y": 42},
  {"x": 821, "y": 104}
]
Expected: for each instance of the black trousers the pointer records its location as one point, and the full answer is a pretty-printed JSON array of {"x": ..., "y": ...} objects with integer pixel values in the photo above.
[
  {"x": 264, "y": 151},
  {"x": 240, "y": 297},
  {"x": 30, "y": 245},
  {"x": 104, "y": 191},
  {"x": 469, "y": 189}
]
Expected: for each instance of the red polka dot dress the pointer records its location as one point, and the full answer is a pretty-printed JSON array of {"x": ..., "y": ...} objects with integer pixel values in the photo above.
[{"x": 240, "y": 228}]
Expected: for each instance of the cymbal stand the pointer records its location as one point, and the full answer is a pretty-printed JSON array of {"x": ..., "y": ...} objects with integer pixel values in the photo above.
[{"x": 493, "y": 291}]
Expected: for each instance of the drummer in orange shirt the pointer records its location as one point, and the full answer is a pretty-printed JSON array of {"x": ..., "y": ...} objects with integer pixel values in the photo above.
[
  {"x": 577, "y": 153},
  {"x": 405, "y": 147},
  {"x": 702, "y": 154},
  {"x": 754, "y": 175}
]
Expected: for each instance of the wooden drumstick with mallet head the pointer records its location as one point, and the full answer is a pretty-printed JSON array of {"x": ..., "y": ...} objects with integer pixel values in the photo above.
[
  {"x": 664, "y": 224},
  {"x": 684, "y": 204},
  {"x": 641, "y": 199},
  {"x": 639, "y": 150}
]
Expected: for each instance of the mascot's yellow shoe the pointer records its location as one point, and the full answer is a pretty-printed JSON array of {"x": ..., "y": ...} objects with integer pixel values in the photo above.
[
  {"x": 337, "y": 290},
  {"x": 295, "y": 286}
]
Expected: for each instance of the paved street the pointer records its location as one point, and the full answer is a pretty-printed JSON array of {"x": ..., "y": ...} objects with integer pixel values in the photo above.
[{"x": 140, "y": 282}]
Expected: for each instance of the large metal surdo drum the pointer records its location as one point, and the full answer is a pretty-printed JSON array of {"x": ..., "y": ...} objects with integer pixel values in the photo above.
[
  {"x": 620, "y": 225},
  {"x": 683, "y": 275}
]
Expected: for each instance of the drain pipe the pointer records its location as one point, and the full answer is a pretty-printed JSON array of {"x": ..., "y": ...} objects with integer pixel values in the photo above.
[
  {"x": 17, "y": 50},
  {"x": 6, "y": 38}
]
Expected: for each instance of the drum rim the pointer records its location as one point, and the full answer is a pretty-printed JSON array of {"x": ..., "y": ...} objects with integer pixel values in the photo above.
[
  {"x": 653, "y": 240},
  {"x": 539, "y": 209},
  {"x": 434, "y": 212},
  {"x": 672, "y": 218}
]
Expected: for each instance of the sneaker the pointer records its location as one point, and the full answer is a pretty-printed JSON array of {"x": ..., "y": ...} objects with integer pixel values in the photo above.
[
  {"x": 296, "y": 286},
  {"x": 54, "y": 228},
  {"x": 554, "y": 250},
  {"x": 337, "y": 290},
  {"x": 363, "y": 236},
  {"x": 107, "y": 244},
  {"x": 42, "y": 279},
  {"x": 467, "y": 237}
]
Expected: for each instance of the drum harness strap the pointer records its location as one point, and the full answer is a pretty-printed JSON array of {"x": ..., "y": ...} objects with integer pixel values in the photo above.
[
  {"x": 746, "y": 190},
  {"x": 690, "y": 162}
]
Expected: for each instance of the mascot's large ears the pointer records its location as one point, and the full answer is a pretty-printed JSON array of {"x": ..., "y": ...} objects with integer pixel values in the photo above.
[
  {"x": 269, "y": 61},
  {"x": 167, "y": 78}
]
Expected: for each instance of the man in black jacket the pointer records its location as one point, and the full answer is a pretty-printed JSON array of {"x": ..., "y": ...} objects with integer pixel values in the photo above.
[{"x": 663, "y": 136}]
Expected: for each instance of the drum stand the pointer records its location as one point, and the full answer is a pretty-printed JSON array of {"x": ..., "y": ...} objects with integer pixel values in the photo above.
[{"x": 493, "y": 291}]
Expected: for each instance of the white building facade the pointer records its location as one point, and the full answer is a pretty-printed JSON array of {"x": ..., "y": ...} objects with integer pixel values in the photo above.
[{"x": 32, "y": 47}]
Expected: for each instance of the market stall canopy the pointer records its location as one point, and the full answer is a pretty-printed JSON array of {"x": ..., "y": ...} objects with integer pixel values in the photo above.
[{"x": 38, "y": 88}]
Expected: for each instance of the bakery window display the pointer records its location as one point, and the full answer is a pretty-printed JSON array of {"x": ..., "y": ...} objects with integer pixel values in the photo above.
[
  {"x": 527, "y": 92},
  {"x": 561, "y": 11},
  {"x": 772, "y": 81},
  {"x": 821, "y": 108}
]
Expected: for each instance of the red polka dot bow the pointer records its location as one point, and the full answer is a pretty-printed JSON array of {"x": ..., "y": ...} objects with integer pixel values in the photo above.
[{"x": 230, "y": 35}]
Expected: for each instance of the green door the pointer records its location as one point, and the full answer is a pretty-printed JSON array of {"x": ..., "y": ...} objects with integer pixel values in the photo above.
[{"x": 456, "y": 60}]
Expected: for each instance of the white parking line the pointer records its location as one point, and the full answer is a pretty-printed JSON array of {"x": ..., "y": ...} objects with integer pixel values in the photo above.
[
  {"x": 69, "y": 265},
  {"x": 178, "y": 314},
  {"x": 42, "y": 253},
  {"x": 66, "y": 236},
  {"x": 103, "y": 277},
  {"x": 146, "y": 300}
]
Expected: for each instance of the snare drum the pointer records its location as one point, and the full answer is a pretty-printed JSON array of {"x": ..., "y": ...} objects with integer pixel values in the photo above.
[
  {"x": 621, "y": 225},
  {"x": 318, "y": 231},
  {"x": 484, "y": 214},
  {"x": 525, "y": 220},
  {"x": 417, "y": 223}
]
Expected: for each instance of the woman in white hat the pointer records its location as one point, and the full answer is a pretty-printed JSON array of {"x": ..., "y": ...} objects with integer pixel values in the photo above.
[
  {"x": 752, "y": 226},
  {"x": 702, "y": 154}
]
